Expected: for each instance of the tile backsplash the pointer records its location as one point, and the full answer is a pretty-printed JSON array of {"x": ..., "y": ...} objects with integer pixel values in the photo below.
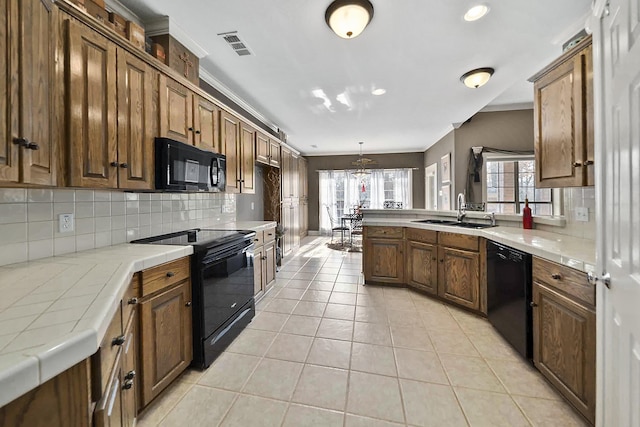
[
  {"x": 29, "y": 218},
  {"x": 575, "y": 198}
]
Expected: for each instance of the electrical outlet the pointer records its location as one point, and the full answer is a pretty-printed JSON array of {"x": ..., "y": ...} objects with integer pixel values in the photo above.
[
  {"x": 252, "y": 206},
  {"x": 65, "y": 223},
  {"x": 582, "y": 214}
]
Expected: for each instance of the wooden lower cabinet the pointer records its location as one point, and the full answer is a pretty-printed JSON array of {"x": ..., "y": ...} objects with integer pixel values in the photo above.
[
  {"x": 264, "y": 265},
  {"x": 165, "y": 338},
  {"x": 459, "y": 277},
  {"x": 564, "y": 346},
  {"x": 422, "y": 266},
  {"x": 383, "y": 260}
]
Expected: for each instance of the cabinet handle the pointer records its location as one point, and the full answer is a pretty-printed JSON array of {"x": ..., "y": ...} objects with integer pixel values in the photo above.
[
  {"x": 127, "y": 385},
  {"x": 190, "y": 129},
  {"x": 588, "y": 162},
  {"x": 130, "y": 375},
  {"x": 33, "y": 146},
  {"x": 118, "y": 340},
  {"x": 132, "y": 301},
  {"x": 197, "y": 132},
  {"x": 533, "y": 304},
  {"x": 124, "y": 165},
  {"x": 577, "y": 164},
  {"x": 264, "y": 258},
  {"x": 270, "y": 234},
  {"x": 114, "y": 164},
  {"x": 256, "y": 240},
  {"x": 170, "y": 274},
  {"x": 22, "y": 142},
  {"x": 556, "y": 276},
  {"x": 442, "y": 260},
  {"x": 433, "y": 259},
  {"x": 188, "y": 304}
]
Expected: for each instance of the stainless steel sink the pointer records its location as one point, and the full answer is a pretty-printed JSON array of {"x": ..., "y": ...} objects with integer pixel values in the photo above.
[{"x": 453, "y": 223}]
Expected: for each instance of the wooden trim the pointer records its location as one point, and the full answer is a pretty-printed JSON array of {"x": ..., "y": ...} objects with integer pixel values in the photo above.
[{"x": 566, "y": 56}]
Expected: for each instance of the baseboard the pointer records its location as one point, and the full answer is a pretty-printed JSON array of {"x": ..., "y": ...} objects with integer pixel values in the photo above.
[{"x": 313, "y": 233}]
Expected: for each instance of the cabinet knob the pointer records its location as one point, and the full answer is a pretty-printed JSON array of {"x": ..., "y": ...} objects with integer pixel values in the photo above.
[
  {"x": 114, "y": 164},
  {"x": 577, "y": 164},
  {"x": 433, "y": 259},
  {"x": 264, "y": 258},
  {"x": 587, "y": 162},
  {"x": 130, "y": 375},
  {"x": 556, "y": 276},
  {"x": 190, "y": 129},
  {"x": 442, "y": 260},
  {"x": 22, "y": 142},
  {"x": 132, "y": 301},
  {"x": 118, "y": 340},
  {"x": 32, "y": 146},
  {"x": 533, "y": 304},
  {"x": 270, "y": 234},
  {"x": 170, "y": 274},
  {"x": 256, "y": 240},
  {"x": 127, "y": 385},
  {"x": 197, "y": 132},
  {"x": 124, "y": 165},
  {"x": 188, "y": 304}
]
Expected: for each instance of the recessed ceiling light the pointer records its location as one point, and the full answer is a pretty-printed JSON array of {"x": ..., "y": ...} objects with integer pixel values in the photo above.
[
  {"x": 378, "y": 91},
  {"x": 476, "y": 12}
]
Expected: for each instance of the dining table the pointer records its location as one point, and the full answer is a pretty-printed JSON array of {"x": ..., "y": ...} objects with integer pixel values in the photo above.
[{"x": 351, "y": 218}]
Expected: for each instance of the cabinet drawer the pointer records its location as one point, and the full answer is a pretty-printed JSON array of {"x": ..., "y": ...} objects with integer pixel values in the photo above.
[
  {"x": 164, "y": 275},
  {"x": 461, "y": 241},
  {"x": 103, "y": 360},
  {"x": 418, "y": 235},
  {"x": 384, "y": 232},
  {"x": 565, "y": 279},
  {"x": 108, "y": 410},
  {"x": 130, "y": 298},
  {"x": 258, "y": 240},
  {"x": 270, "y": 235}
]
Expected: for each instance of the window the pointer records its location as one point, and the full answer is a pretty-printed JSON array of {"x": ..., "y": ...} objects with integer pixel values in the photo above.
[{"x": 509, "y": 182}]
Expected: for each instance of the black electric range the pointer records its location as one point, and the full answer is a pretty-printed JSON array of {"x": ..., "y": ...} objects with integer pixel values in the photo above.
[{"x": 222, "y": 284}]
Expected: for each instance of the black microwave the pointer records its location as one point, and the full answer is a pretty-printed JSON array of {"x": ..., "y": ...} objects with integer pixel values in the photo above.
[{"x": 183, "y": 167}]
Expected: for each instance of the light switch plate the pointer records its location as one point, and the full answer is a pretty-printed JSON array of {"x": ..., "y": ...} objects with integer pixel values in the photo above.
[
  {"x": 582, "y": 214},
  {"x": 66, "y": 223}
]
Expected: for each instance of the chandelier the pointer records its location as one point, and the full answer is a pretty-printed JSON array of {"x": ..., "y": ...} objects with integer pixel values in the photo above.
[{"x": 361, "y": 172}]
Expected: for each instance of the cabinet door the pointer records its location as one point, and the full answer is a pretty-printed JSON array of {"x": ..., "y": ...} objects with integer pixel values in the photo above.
[
  {"x": 269, "y": 265},
  {"x": 458, "y": 277},
  {"x": 262, "y": 148},
  {"x": 247, "y": 159},
  {"x": 285, "y": 175},
  {"x": 129, "y": 372},
  {"x": 205, "y": 118},
  {"x": 92, "y": 96},
  {"x": 176, "y": 111},
  {"x": 165, "y": 339},
  {"x": 229, "y": 134},
  {"x": 383, "y": 260},
  {"x": 9, "y": 152},
  {"x": 274, "y": 153},
  {"x": 295, "y": 221},
  {"x": 559, "y": 126},
  {"x": 564, "y": 346},
  {"x": 422, "y": 266},
  {"x": 136, "y": 132},
  {"x": 108, "y": 411},
  {"x": 294, "y": 178},
  {"x": 36, "y": 52},
  {"x": 258, "y": 270}
]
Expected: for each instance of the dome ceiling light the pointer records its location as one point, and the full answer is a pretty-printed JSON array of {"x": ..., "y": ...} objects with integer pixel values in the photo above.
[
  {"x": 476, "y": 12},
  {"x": 349, "y": 18},
  {"x": 476, "y": 78}
]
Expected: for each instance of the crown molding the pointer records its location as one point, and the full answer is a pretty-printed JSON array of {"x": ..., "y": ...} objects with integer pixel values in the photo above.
[
  {"x": 165, "y": 25},
  {"x": 507, "y": 107},
  {"x": 213, "y": 81},
  {"x": 122, "y": 10}
]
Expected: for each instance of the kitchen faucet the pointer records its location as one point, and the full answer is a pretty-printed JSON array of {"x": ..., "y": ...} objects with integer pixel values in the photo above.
[
  {"x": 492, "y": 217},
  {"x": 462, "y": 208}
]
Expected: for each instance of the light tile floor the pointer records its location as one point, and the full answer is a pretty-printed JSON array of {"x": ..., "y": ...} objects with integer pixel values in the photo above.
[{"x": 325, "y": 350}]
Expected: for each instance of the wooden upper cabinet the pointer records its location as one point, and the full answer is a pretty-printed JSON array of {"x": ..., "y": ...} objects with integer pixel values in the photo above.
[
  {"x": 262, "y": 148},
  {"x": 229, "y": 144},
  {"x": 28, "y": 32},
  {"x": 285, "y": 172},
  {"x": 247, "y": 159},
  {"x": 563, "y": 109},
  {"x": 92, "y": 96},
  {"x": 205, "y": 123},
  {"x": 176, "y": 111},
  {"x": 303, "y": 187},
  {"x": 136, "y": 130},
  {"x": 274, "y": 153}
]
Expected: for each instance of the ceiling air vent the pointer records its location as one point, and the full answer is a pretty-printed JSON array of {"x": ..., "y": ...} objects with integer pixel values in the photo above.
[{"x": 236, "y": 43}]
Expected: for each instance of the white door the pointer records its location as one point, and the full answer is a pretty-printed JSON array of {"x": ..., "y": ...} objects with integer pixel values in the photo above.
[{"x": 617, "y": 120}]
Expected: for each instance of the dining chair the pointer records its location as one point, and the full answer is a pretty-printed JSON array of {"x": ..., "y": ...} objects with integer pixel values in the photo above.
[{"x": 336, "y": 225}]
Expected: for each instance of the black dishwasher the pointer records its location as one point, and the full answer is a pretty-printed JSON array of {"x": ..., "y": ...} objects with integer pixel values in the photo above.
[{"x": 509, "y": 296}]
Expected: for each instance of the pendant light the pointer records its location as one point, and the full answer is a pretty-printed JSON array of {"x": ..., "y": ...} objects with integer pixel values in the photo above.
[
  {"x": 475, "y": 78},
  {"x": 349, "y": 18},
  {"x": 362, "y": 171}
]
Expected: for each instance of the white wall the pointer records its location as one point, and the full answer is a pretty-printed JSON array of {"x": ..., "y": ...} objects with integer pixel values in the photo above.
[{"x": 29, "y": 218}]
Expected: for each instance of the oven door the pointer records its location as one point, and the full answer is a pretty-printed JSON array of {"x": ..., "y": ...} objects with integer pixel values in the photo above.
[{"x": 227, "y": 285}]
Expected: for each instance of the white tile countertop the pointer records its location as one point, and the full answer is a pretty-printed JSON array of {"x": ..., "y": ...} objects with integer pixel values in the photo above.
[
  {"x": 570, "y": 251},
  {"x": 54, "y": 312}
]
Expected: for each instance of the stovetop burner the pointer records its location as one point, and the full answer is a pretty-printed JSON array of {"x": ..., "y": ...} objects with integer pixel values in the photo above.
[{"x": 197, "y": 237}]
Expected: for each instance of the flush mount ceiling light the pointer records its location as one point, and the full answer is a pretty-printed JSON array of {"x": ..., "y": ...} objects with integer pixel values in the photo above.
[
  {"x": 378, "y": 91},
  {"x": 476, "y": 12},
  {"x": 349, "y": 18},
  {"x": 476, "y": 78}
]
